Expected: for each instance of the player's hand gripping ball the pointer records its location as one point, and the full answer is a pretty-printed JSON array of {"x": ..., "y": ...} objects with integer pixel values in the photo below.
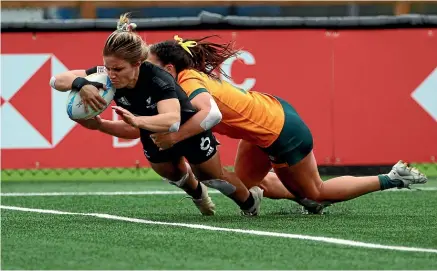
[{"x": 99, "y": 93}]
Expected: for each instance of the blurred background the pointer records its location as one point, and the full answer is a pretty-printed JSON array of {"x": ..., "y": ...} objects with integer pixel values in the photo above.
[
  {"x": 39, "y": 10},
  {"x": 362, "y": 75},
  {"x": 368, "y": 94}
]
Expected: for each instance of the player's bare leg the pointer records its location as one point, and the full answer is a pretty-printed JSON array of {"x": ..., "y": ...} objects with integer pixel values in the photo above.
[
  {"x": 273, "y": 187},
  {"x": 212, "y": 174},
  {"x": 253, "y": 166},
  {"x": 303, "y": 180}
]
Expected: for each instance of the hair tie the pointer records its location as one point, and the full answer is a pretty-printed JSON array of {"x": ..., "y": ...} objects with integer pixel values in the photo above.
[
  {"x": 126, "y": 27},
  {"x": 185, "y": 44}
]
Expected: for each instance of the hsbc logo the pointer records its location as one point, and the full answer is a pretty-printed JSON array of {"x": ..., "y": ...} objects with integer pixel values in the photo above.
[
  {"x": 245, "y": 57},
  {"x": 32, "y": 113},
  {"x": 426, "y": 94}
]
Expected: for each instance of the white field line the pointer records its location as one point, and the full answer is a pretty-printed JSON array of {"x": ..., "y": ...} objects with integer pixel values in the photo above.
[
  {"x": 97, "y": 193},
  {"x": 219, "y": 229},
  {"x": 156, "y": 192}
]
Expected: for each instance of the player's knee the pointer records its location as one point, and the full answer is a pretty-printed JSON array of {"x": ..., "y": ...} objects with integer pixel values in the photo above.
[
  {"x": 179, "y": 182},
  {"x": 266, "y": 183}
]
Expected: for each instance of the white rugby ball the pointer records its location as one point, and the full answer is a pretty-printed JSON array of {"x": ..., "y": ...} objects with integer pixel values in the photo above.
[{"x": 75, "y": 108}]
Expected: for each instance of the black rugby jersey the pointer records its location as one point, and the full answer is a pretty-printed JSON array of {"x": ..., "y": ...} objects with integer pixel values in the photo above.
[{"x": 154, "y": 84}]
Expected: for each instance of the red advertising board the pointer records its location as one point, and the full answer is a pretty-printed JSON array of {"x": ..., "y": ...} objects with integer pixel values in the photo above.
[{"x": 368, "y": 96}]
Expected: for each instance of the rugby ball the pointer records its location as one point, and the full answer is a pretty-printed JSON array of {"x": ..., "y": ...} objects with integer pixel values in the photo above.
[{"x": 75, "y": 108}]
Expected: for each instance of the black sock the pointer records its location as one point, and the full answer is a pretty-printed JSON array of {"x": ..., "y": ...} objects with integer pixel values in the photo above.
[
  {"x": 196, "y": 193},
  {"x": 247, "y": 204}
]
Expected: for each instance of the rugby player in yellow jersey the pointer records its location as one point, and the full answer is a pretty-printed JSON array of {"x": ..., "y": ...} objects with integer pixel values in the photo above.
[{"x": 271, "y": 131}]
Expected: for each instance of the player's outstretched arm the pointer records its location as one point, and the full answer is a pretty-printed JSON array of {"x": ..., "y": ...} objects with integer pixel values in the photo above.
[{"x": 64, "y": 81}]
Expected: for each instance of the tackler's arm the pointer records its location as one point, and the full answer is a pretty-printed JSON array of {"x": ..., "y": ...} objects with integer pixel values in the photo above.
[{"x": 208, "y": 116}]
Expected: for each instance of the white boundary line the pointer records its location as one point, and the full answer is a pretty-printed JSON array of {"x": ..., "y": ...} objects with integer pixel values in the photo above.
[
  {"x": 102, "y": 193},
  {"x": 212, "y": 228},
  {"x": 157, "y": 192}
]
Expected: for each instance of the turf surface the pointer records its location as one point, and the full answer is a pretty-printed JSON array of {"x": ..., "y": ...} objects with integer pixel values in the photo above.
[{"x": 32, "y": 240}]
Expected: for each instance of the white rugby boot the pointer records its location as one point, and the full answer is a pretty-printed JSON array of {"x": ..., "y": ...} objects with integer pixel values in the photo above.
[
  {"x": 406, "y": 174},
  {"x": 205, "y": 204},
  {"x": 257, "y": 194}
]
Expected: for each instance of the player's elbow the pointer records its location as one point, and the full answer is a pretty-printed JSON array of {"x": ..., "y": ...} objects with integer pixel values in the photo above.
[
  {"x": 213, "y": 118},
  {"x": 59, "y": 82},
  {"x": 174, "y": 121},
  {"x": 216, "y": 117},
  {"x": 52, "y": 82},
  {"x": 62, "y": 82}
]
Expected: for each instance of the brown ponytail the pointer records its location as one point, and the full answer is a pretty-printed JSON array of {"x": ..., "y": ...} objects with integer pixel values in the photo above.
[{"x": 199, "y": 54}]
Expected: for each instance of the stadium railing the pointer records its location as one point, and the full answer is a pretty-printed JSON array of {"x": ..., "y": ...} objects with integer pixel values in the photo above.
[{"x": 88, "y": 8}]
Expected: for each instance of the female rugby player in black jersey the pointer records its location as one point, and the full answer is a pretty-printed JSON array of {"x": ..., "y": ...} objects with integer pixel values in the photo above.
[{"x": 149, "y": 100}]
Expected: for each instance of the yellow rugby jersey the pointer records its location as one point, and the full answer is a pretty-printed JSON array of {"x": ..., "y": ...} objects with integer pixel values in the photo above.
[{"x": 249, "y": 115}]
